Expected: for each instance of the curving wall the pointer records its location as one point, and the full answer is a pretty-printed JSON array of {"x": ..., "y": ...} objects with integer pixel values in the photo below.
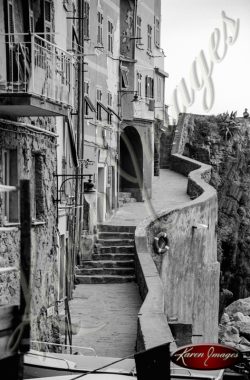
[{"x": 182, "y": 284}]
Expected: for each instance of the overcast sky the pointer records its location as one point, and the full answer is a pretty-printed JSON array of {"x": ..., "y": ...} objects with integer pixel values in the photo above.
[{"x": 187, "y": 26}]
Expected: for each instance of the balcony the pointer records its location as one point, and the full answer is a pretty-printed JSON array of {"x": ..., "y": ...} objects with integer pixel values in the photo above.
[{"x": 38, "y": 79}]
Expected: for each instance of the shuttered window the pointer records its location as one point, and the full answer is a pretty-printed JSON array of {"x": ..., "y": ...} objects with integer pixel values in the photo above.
[
  {"x": 86, "y": 19},
  {"x": 149, "y": 87},
  {"x": 100, "y": 28}
]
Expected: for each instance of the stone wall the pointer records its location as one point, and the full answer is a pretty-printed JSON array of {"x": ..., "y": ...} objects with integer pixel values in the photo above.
[
  {"x": 39, "y": 146},
  {"x": 225, "y": 145},
  {"x": 182, "y": 284},
  {"x": 166, "y": 143}
]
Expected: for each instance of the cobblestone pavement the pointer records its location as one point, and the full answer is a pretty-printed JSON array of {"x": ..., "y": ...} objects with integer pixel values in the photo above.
[{"x": 107, "y": 316}]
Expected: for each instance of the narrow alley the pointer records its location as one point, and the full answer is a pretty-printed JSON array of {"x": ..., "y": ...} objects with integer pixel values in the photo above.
[{"x": 105, "y": 315}]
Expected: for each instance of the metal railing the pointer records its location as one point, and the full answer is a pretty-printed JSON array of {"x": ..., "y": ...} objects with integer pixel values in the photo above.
[{"x": 37, "y": 66}]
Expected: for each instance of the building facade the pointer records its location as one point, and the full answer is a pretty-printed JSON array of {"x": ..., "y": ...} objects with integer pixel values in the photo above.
[
  {"x": 38, "y": 87},
  {"x": 125, "y": 112},
  {"x": 82, "y": 108}
]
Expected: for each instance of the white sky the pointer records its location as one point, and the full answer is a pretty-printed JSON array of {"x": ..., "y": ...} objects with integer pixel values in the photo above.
[{"x": 187, "y": 26}]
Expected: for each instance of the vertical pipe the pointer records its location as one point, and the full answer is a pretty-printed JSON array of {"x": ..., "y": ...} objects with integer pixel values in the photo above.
[
  {"x": 81, "y": 117},
  {"x": 25, "y": 264}
]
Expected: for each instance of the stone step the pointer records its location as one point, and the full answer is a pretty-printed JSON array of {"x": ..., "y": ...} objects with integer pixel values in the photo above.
[
  {"x": 117, "y": 249},
  {"x": 116, "y": 228},
  {"x": 106, "y": 271},
  {"x": 116, "y": 235},
  {"x": 107, "y": 264},
  {"x": 126, "y": 200},
  {"x": 115, "y": 242},
  {"x": 113, "y": 256},
  {"x": 104, "y": 279}
]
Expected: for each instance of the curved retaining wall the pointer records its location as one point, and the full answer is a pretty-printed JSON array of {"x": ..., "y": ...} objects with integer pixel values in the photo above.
[{"x": 184, "y": 284}]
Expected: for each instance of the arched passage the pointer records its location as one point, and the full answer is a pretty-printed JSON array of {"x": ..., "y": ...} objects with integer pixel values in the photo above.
[{"x": 131, "y": 162}]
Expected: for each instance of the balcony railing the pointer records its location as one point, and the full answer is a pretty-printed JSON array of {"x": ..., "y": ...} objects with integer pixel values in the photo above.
[{"x": 38, "y": 67}]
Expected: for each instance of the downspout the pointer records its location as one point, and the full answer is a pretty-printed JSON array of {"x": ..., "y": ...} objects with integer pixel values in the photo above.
[
  {"x": 81, "y": 117},
  {"x": 79, "y": 143}
]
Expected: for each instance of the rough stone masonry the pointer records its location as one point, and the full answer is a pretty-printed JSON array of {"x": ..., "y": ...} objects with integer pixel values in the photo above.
[{"x": 35, "y": 154}]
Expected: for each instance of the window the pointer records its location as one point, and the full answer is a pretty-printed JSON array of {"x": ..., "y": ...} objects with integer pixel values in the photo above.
[
  {"x": 86, "y": 20},
  {"x": 86, "y": 87},
  {"x": 149, "y": 87},
  {"x": 124, "y": 77},
  {"x": 149, "y": 38},
  {"x": 138, "y": 30},
  {"x": 159, "y": 88},
  {"x": 10, "y": 178},
  {"x": 139, "y": 84},
  {"x": 11, "y": 39},
  {"x": 36, "y": 183},
  {"x": 72, "y": 37},
  {"x": 99, "y": 108},
  {"x": 86, "y": 92},
  {"x": 110, "y": 37},
  {"x": 157, "y": 32},
  {"x": 110, "y": 102},
  {"x": 47, "y": 20},
  {"x": 100, "y": 28}
]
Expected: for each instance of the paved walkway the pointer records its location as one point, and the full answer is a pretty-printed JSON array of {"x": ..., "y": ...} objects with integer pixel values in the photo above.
[
  {"x": 107, "y": 313},
  {"x": 169, "y": 189}
]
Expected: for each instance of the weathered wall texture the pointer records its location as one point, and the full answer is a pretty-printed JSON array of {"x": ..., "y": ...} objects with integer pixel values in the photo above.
[
  {"x": 226, "y": 147},
  {"x": 189, "y": 272},
  {"x": 44, "y": 282}
]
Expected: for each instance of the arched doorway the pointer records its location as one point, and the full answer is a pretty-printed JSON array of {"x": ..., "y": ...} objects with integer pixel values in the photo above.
[{"x": 131, "y": 163}]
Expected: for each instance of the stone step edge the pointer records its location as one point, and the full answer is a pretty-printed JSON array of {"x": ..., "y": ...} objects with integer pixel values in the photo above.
[{"x": 111, "y": 276}]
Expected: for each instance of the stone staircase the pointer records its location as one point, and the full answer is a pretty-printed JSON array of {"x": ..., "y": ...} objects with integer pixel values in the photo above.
[
  {"x": 113, "y": 260},
  {"x": 125, "y": 198}
]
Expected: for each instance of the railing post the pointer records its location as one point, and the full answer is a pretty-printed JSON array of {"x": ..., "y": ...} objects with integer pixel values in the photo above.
[{"x": 32, "y": 74}]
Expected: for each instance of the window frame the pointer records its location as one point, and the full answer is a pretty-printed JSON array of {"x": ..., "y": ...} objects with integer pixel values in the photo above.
[
  {"x": 110, "y": 36},
  {"x": 98, "y": 108},
  {"x": 47, "y": 23},
  {"x": 109, "y": 103},
  {"x": 37, "y": 208},
  {"x": 139, "y": 83},
  {"x": 159, "y": 88},
  {"x": 149, "y": 87},
  {"x": 86, "y": 14},
  {"x": 138, "y": 30},
  {"x": 149, "y": 34},
  {"x": 157, "y": 32},
  {"x": 100, "y": 28},
  {"x": 10, "y": 199},
  {"x": 124, "y": 77}
]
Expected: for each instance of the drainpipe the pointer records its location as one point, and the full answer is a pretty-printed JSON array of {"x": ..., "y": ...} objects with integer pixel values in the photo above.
[
  {"x": 80, "y": 139},
  {"x": 81, "y": 114}
]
